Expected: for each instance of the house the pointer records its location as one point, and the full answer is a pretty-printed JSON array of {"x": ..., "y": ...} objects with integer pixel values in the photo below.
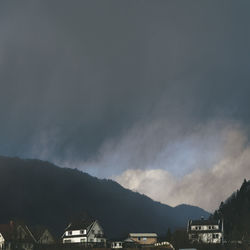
[
  {"x": 16, "y": 236},
  {"x": 143, "y": 238},
  {"x": 42, "y": 235},
  {"x": 88, "y": 232},
  {"x": 205, "y": 231}
]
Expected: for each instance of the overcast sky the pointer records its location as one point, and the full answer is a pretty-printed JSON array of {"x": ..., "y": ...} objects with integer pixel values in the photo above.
[{"x": 153, "y": 94}]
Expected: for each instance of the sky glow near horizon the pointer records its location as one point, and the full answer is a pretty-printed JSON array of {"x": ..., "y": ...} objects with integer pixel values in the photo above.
[{"x": 153, "y": 94}]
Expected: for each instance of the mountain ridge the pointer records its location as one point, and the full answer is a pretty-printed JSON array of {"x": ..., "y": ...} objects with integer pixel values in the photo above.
[{"x": 40, "y": 192}]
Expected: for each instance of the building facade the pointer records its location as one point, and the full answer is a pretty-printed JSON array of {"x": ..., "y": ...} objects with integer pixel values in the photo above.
[
  {"x": 205, "y": 231},
  {"x": 88, "y": 232}
]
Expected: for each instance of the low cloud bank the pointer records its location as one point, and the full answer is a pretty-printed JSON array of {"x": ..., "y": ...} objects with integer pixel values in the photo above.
[
  {"x": 203, "y": 186},
  {"x": 199, "y": 163}
]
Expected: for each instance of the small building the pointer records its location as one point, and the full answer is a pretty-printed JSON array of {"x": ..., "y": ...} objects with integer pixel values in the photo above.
[
  {"x": 88, "y": 232},
  {"x": 116, "y": 244},
  {"x": 205, "y": 231},
  {"x": 143, "y": 238},
  {"x": 16, "y": 236}
]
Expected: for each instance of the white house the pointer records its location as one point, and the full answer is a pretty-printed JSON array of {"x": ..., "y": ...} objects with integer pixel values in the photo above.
[
  {"x": 205, "y": 231},
  {"x": 88, "y": 232}
]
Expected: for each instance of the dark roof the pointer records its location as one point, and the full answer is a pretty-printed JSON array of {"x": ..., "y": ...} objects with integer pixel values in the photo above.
[
  {"x": 37, "y": 231},
  {"x": 203, "y": 222},
  {"x": 29, "y": 235},
  {"x": 7, "y": 231},
  {"x": 80, "y": 225},
  {"x": 204, "y": 231},
  {"x": 10, "y": 232}
]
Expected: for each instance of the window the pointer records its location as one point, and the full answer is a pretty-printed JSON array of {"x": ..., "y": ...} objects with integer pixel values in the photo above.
[
  {"x": 83, "y": 240},
  {"x": 67, "y": 241},
  {"x": 82, "y": 232},
  {"x": 120, "y": 244},
  {"x": 194, "y": 236},
  {"x": 215, "y": 236},
  {"x": 209, "y": 227},
  {"x": 69, "y": 232},
  {"x": 139, "y": 238}
]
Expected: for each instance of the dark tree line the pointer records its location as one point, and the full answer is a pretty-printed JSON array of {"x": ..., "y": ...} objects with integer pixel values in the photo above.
[{"x": 236, "y": 214}]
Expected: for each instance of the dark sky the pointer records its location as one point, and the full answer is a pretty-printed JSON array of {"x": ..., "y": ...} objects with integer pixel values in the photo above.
[{"x": 116, "y": 86}]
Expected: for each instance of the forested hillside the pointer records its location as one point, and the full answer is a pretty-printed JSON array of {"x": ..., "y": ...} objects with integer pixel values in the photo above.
[
  {"x": 41, "y": 193},
  {"x": 236, "y": 213}
]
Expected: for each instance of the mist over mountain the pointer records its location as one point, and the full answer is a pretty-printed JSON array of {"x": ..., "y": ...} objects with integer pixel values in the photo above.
[{"x": 41, "y": 193}]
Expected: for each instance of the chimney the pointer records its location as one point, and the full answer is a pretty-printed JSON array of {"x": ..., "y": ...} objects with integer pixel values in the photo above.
[{"x": 12, "y": 223}]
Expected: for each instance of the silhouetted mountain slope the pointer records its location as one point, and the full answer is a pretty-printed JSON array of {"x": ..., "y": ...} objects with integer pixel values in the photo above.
[
  {"x": 41, "y": 193},
  {"x": 236, "y": 213}
]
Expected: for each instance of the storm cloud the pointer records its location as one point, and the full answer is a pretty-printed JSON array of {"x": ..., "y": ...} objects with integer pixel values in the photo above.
[{"x": 117, "y": 86}]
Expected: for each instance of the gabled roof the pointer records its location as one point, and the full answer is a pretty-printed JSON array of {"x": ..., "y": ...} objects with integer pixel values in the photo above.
[
  {"x": 10, "y": 232},
  {"x": 84, "y": 224},
  {"x": 203, "y": 222}
]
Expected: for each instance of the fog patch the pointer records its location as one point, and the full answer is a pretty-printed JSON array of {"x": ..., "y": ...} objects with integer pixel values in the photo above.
[{"x": 205, "y": 187}]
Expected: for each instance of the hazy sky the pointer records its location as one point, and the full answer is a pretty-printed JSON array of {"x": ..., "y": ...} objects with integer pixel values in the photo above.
[{"x": 154, "y": 94}]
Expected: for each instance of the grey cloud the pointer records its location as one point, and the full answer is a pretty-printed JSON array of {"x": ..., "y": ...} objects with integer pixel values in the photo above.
[
  {"x": 205, "y": 187},
  {"x": 75, "y": 76}
]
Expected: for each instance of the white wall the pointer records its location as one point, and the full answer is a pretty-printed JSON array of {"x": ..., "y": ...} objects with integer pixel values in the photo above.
[
  {"x": 1, "y": 241},
  {"x": 207, "y": 237},
  {"x": 96, "y": 229},
  {"x": 75, "y": 232},
  {"x": 116, "y": 244},
  {"x": 75, "y": 239}
]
